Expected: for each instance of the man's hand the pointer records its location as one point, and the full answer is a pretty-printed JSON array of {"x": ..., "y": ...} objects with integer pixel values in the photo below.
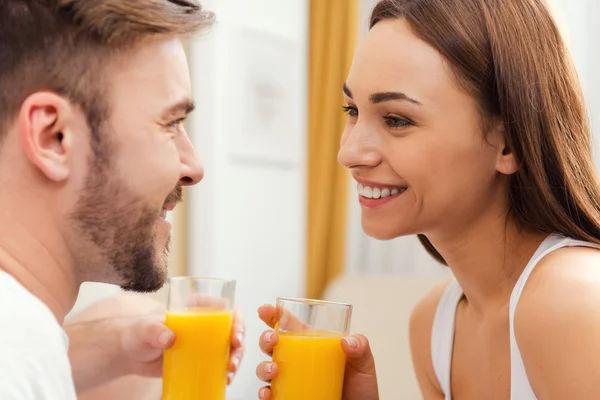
[
  {"x": 144, "y": 340},
  {"x": 360, "y": 380},
  {"x": 116, "y": 348}
]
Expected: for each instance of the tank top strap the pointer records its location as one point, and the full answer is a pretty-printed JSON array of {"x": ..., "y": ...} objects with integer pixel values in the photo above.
[{"x": 442, "y": 335}]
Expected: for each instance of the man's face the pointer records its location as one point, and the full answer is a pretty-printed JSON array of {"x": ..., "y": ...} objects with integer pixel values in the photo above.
[{"x": 137, "y": 168}]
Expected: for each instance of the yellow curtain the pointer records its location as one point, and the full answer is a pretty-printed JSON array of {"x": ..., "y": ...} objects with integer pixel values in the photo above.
[{"x": 333, "y": 31}]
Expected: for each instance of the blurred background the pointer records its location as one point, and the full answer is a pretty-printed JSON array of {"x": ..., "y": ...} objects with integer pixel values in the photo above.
[{"x": 274, "y": 211}]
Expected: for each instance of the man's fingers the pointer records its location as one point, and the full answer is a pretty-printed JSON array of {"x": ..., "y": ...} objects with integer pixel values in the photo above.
[
  {"x": 266, "y": 371},
  {"x": 236, "y": 359},
  {"x": 239, "y": 330},
  {"x": 150, "y": 332},
  {"x": 145, "y": 340},
  {"x": 268, "y": 340},
  {"x": 237, "y": 345},
  {"x": 158, "y": 335},
  {"x": 199, "y": 300}
]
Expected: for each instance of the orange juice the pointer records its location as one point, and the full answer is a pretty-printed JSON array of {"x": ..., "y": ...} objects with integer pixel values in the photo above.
[
  {"x": 195, "y": 368},
  {"x": 311, "y": 366}
]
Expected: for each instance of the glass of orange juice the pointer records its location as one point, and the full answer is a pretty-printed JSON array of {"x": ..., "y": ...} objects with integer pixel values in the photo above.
[
  {"x": 309, "y": 353},
  {"x": 200, "y": 312}
]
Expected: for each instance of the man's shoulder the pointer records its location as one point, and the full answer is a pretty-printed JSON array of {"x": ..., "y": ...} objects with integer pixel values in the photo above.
[
  {"x": 28, "y": 325},
  {"x": 23, "y": 312},
  {"x": 34, "y": 362}
]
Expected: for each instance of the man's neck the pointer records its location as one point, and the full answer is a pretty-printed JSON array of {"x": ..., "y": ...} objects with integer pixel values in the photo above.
[{"x": 41, "y": 267}]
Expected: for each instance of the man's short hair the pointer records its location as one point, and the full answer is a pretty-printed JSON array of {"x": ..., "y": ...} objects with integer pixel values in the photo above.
[{"x": 63, "y": 46}]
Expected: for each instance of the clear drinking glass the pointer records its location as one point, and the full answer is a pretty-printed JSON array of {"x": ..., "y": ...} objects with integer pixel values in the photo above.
[
  {"x": 309, "y": 353},
  {"x": 200, "y": 312}
]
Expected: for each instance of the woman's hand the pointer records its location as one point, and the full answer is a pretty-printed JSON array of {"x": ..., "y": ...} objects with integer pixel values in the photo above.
[{"x": 360, "y": 380}]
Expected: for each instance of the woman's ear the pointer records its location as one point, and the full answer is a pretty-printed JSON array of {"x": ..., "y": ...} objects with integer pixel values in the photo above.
[{"x": 506, "y": 160}]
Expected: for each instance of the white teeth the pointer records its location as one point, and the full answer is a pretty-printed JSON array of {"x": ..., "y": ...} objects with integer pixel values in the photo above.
[{"x": 377, "y": 193}]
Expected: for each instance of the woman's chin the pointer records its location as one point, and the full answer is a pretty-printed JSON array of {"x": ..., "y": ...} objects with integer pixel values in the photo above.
[{"x": 376, "y": 231}]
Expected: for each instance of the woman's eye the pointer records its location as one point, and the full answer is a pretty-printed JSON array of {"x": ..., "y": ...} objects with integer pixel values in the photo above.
[
  {"x": 396, "y": 122},
  {"x": 351, "y": 111}
]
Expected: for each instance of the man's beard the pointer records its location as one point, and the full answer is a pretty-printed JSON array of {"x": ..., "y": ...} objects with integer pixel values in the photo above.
[{"x": 115, "y": 233}]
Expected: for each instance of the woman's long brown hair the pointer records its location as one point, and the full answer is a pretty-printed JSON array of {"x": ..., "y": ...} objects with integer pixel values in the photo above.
[{"x": 510, "y": 55}]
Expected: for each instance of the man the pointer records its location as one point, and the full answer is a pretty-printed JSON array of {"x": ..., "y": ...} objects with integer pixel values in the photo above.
[{"x": 93, "y": 154}]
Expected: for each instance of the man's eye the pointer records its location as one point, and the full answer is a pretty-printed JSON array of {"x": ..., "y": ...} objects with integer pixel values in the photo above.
[{"x": 177, "y": 124}]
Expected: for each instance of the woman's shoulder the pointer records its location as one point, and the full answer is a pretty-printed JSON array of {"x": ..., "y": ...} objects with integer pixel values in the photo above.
[
  {"x": 557, "y": 321},
  {"x": 563, "y": 278},
  {"x": 564, "y": 269}
]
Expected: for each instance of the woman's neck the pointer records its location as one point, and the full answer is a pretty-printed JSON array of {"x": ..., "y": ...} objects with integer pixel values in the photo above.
[{"x": 487, "y": 258}]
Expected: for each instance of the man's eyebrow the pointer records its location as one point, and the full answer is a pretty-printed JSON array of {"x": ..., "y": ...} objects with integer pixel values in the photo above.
[{"x": 186, "y": 106}]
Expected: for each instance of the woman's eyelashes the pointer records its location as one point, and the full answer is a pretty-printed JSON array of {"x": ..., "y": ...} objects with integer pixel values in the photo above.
[
  {"x": 391, "y": 121},
  {"x": 395, "y": 122},
  {"x": 351, "y": 111}
]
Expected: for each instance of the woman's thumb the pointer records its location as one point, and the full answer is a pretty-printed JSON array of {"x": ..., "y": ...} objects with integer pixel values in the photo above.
[{"x": 358, "y": 353}]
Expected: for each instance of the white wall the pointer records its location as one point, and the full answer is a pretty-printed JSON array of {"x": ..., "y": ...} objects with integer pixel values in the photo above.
[
  {"x": 578, "y": 20},
  {"x": 591, "y": 79},
  {"x": 248, "y": 215}
]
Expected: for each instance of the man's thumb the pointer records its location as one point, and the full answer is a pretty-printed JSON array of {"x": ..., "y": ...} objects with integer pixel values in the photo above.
[
  {"x": 358, "y": 353},
  {"x": 147, "y": 334}
]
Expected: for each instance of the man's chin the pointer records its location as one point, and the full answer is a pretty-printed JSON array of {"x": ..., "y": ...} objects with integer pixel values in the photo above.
[{"x": 149, "y": 282}]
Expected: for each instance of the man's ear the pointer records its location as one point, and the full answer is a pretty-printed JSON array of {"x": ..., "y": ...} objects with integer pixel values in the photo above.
[
  {"x": 506, "y": 160},
  {"x": 46, "y": 135}
]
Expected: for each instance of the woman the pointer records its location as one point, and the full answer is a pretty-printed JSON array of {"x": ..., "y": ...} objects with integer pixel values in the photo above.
[{"x": 466, "y": 126}]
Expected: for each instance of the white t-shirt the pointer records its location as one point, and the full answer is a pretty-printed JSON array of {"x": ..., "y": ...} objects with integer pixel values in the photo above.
[{"x": 34, "y": 363}]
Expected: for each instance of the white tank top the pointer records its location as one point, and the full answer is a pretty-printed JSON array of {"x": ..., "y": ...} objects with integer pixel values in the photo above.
[{"x": 442, "y": 336}]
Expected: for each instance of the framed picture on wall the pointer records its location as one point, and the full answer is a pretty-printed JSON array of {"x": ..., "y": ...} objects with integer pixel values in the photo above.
[{"x": 267, "y": 96}]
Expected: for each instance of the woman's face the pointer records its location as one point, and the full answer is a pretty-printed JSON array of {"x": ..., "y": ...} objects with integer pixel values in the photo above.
[{"x": 414, "y": 142}]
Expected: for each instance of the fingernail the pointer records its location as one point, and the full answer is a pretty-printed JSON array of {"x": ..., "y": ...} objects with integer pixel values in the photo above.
[
  {"x": 269, "y": 368},
  {"x": 236, "y": 362},
  {"x": 262, "y": 392},
  {"x": 240, "y": 337},
  {"x": 165, "y": 337},
  {"x": 230, "y": 376},
  {"x": 352, "y": 342},
  {"x": 268, "y": 337}
]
